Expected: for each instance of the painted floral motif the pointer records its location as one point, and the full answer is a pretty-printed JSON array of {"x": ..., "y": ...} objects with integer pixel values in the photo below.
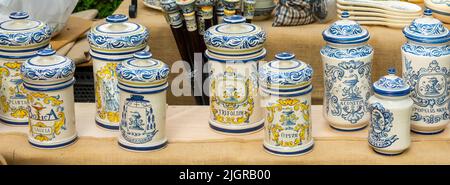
[
  {"x": 142, "y": 75},
  {"x": 35, "y": 73},
  {"x": 138, "y": 123},
  {"x": 107, "y": 93},
  {"x": 338, "y": 53},
  {"x": 108, "y": 42},
  {"x": 294, "y": 77},
  {"x": 235, "y": 42},
  {"x": 26, "y": 38},
  {"x": 380, "y": 126},
  {"x": 345, "y": 29},
  {"x": 13, "y": 101},
  {"x": 428, "y": 51},
  {"x": 388, "y": 83},
  {"x": 427, "y": 29}
]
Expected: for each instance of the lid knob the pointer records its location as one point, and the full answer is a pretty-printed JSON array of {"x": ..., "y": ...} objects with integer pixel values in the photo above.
[
  {"x": 46, "y": 52},
  {"x": 392, "y": 71},
  {"x": 18, "y": 15},
  {"x": 234, "y": 19},
  {"x": 427, "y": 12},
  {"x": 116, "y": 18},
  {"x": 143, "y": 55},
  {"x": 285, "y": 56},
  {"x": 345, "y": 15}
]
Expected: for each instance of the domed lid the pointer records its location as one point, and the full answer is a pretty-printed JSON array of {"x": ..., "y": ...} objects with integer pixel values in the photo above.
[
  {"x": 285, "y": 72},
  {"x": 234, "y": 36},
  {"x": 345, "y": 31},
  {"x": 118, "y": 35},
  {"x": 47, "y": 68},
  {"x": 142, "y": 70},
  {"x": 391, "y": 85},
  {"x": 427, "y": 30},
  {"x": 19, "y": 32}
]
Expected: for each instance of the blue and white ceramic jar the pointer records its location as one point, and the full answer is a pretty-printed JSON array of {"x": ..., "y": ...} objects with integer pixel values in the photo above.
[
  {"x": 234, "y": 49},
  {"x": 48, "y": 80},
  {"x": 143, "y": 85},
  {"x": 390, "y": 113},
  {"x": 20, "y": 38},
  {"x": 347, "y": 63},
  {"x": 285, "y": 85},
  {"x": 111, "y": 43},
  {"x": 426, "y": 68}
]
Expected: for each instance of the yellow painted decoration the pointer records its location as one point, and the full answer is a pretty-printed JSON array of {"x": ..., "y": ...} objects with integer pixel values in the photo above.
[{"x": 106, "y": 72}]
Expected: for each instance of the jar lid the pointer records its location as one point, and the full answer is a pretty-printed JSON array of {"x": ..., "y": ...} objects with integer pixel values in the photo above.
[
  {"x": 345, "y": 31},
  {"x": 20, "y": 33},
  {"x": 118, "y": 35},
  {"x": 142, "y": 71},
  {"x": 427, "y": 30},
  {"x": 47, "y": 68},
  {"x": 235, "y": 37},
  {"x": 391, "y": 85},
  {"x": 285, "y": 72}
]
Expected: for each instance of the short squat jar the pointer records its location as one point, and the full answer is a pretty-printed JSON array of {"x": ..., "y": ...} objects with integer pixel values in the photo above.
[
  {"x": 390, "y": 112},
  {"x": 20, "y": 39},
  {"x": 111, "y": 43},
  {"x": 143, "y": 86},
  {"x": 48, "y": 79},
  {"x": 347, "y": 66},
  {"x": 285, "y": 85},
  {"x": 426, "y": 68}
]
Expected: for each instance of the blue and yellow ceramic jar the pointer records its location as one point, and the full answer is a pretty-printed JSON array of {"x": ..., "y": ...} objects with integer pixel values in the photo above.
[
  {"x": 143, "y": 85},
  {"x": 20, "y": 38},
  {"x": 285, "y": 85},
  {"x": 111, "y": 43},
  {"x": 48, "y": 80},
  {"x": 234, "y": 49}
]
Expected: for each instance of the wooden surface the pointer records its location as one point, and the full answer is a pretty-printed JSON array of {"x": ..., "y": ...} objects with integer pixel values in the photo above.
[
  {"x": 75, "y": 27},
  {"x": 191, "y": 141}
]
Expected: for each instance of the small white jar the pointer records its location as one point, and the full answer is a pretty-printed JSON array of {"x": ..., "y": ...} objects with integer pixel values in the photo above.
[
  {"x": 20, "y": 39},
  {"x": 143, "y": 85},
  {"x": 347, "y": 69},
  {"x": 426, "y": 68},
  {"x": 285, "y": 85},
  {"x": 48, "y": 79},
  {"x": 390, "y": 112},
  {"x": 111, "y": 43}
]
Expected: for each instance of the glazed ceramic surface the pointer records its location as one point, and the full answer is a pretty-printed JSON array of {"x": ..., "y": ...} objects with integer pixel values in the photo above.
[
  {"x": 440, "y": 8},
  {"x": 426, "y": 67},
  {"x": 20, "y": 38},
  {"x": 234, "y": 48},
  {"x": 286, "y": 97},
  {"x": 48, "y": 79},
  {"x": 347, "y": 61},
  {"x": 111, "y": 43},
  {"x": 142, "y": 84},
  {"x": 390, "y": 113}
]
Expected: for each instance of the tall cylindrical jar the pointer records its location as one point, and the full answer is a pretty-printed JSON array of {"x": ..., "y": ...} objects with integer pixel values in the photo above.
[
  {"x": 426, "y": 68},
  {"x": 285, "y": 85},
  {"x": 347, "y": 65},
  {"x": 142, "y": 84},
  {"x": 390, "y": 113},
  {"x": 111, "y": 43},
  {"x": 20, "y": 38},
  {"x": 48, "y": 79},
  {"x": 234, "y": 49}
]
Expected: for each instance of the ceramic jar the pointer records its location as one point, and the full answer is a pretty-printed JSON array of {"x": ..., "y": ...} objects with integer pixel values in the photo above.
[
  {"x": 347, "y": 62},
  {"x": 233, "y": 50},
  {"x": 142, "y": 84},
  {"x": 426, "y": 68},
  {"x": 440, "y": 8},
  {"x": 285, "y": 85},
  {"x": 20, "y": 38},
  {"x": 48, "y": 80},
  {"x": 390, "y": 113},
  {"x": 111, "y": 43}
]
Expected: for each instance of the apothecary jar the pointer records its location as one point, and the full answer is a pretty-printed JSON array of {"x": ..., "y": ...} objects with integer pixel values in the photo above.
[
  {"x": 234, "y": 49},
  {"x": 111, "y": 43},
  {"x": 285, "y": 85},
  {"x": 426, "y": 67},
  {"x": 20, "y": 39},
  {"x": 347, "y": 66}
]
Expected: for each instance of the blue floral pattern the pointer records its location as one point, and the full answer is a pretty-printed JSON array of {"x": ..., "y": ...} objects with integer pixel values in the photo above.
[
  {"x": 110, "y": 42},
  {"x": 142, "y": 75},
  {"x": 339, "y": 53},
  {"x": 380, "y": 126},
  {"x": 235, "y": 42},
  {"x": 345, "y": 30},
  {"x": 48, "y": 73},
  {"x": 428, "y": 51},
  {"x": 22, "y": 38}
]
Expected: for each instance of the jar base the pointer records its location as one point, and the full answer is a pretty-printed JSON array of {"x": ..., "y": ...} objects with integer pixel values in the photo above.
[
  {"x": 143, "y": 149},
  {"x": 13, "y": 123},
  {"x": 258, "y": 126},
  {"x": 106, "y": 126},
  {"x": 57, "y": 146},
  {"x": 428, "y": 132},
  {"x": 346, "y": 129},
  {"x": 300, "y": 152},
  {"x": 387, "y": 153}
]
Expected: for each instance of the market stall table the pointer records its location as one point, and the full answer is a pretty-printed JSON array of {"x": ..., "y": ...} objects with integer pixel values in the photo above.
[{"x": 191, "y": 141}]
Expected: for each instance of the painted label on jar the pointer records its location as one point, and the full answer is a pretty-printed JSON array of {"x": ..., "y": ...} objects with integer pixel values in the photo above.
[
  {"x": 430, "y": 92},
  {"x": 107, "y": 93},
  {"x": 380, "y": 125},
  {"x": 288, "y": 123},
  {"x": 47, "y": 118},
  {"x": 138, "y": 124},
  {"x": 347, "y": 89},
  {"x": 232, "y": 100},
  {"x": 13, "y": 99}
]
